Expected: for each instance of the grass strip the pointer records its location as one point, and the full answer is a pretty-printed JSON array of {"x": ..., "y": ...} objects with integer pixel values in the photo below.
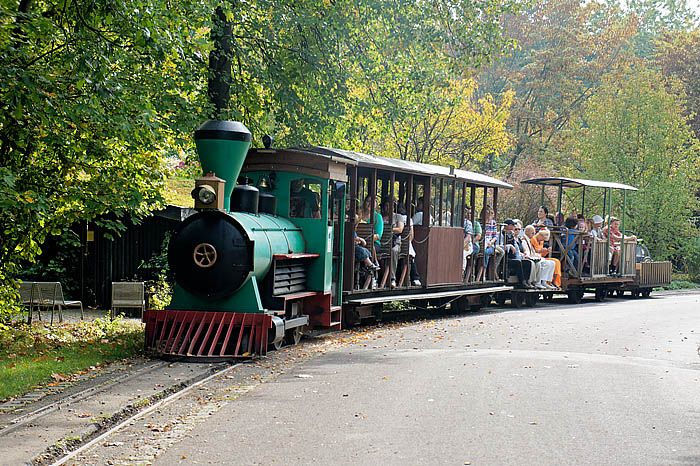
[{"x": 39, "y": 355}]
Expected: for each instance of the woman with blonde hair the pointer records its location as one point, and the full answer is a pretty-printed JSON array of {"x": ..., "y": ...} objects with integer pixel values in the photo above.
[{"x": 537, "y": 242}]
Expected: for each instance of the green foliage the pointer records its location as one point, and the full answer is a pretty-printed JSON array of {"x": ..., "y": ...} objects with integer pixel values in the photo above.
[
  {"x": 91, "y": 94},
  {"x": 691, "y": 259},
  {"x": 655, "y": 17},
  {"x": 159, "y": 284},
  {"x": 677, "y": 58},
  {"x": 636, "y": 134},
  {"x": 565, "y": 48}
]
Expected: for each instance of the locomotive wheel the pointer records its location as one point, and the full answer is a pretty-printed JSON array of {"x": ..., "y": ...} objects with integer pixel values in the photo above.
[
  {"x": 276, "y": 346},
  {"x": 601, "y": 294},
  {"x": 292, "y": 336},
  {"x": 646, "y": 292},
  {"x": 531, "y": 299}
]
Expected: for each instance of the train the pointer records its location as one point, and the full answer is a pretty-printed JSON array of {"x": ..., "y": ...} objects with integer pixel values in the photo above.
[{"x": 272, "y": 248}]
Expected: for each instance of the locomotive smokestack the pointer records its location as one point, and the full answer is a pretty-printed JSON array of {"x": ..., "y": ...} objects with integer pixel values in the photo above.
[{"x": 222, "y": 147}]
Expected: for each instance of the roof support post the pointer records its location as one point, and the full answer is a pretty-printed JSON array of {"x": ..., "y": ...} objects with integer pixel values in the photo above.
[
  {"x": 622, "y": 243},
  {"x": 583, "y": 202},
  {"x": 556, "y": 215},
  {"x": 607, "y": 237},
  {"x": 439, "y": 212}
]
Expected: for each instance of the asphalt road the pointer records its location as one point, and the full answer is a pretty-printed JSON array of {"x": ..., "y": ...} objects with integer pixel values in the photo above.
[{"x": 616, "y": 383}]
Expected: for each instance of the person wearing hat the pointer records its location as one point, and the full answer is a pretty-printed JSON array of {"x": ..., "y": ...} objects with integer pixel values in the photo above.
[{"x": 597, "y": 230}]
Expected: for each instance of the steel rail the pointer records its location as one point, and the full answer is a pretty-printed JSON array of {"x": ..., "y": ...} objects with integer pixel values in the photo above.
[{"x": 26, "y": 418}]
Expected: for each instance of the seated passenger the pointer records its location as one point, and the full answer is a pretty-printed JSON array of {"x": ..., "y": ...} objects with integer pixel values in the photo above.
[
  {"x": 597, "y": 228},
  {"x": 571, "y": 224},
  {"x": 538, "y": 242},
  {"x": 415, "y": 277},
  {"x": 302, "y": 201},
  {"x": 542, "y": 220},
  {"x": 616, "y": 238},
  {"x": 378, "y": 224},
  {"x": 398, "y": 222},
  {"x": 546, "y": 267},
  {"x": 491, "y": 246},
  {"x": 418, "y": 216},
  {"x": 516, "y": 266}
]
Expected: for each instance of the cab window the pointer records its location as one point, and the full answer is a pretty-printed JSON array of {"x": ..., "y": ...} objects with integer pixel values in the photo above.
[{"x": 304, "y": 198}]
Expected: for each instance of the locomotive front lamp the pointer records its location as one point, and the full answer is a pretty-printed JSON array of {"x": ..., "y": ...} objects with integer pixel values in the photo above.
[{"x": 206, "y": 194}]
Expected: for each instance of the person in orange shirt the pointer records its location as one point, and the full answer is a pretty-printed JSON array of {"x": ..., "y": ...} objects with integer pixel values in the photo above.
[{"x": 537, "y": 242}]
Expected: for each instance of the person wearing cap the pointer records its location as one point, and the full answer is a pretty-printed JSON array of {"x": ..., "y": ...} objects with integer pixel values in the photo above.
[
  {"x": 597, "y": 230},
  {"x": 491, "y": 237},
  {"x": 516, "y": 265}
]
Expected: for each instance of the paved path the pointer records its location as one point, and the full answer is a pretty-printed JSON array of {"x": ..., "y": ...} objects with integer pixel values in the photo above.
[{"x": 616, "y": 383}]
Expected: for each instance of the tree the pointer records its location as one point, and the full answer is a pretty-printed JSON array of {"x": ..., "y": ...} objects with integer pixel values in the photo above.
[
  {"x": 92, "y": 95},
  {"x": 635, "y": 133},
  {"x": 654, "y": 17},
  {"x": 678, "y": 60},
  {"x": 410, "y": 85},
  {"x": 565, "y": 48}
]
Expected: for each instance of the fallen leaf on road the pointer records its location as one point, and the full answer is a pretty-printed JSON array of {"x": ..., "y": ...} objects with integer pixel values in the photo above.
[
  {"x": 112, "y": 444},
  {"x": 532, "y": 423}
]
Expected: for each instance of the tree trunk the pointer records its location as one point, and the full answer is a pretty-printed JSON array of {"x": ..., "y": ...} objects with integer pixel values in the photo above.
[{"x": 219, "y": 90}]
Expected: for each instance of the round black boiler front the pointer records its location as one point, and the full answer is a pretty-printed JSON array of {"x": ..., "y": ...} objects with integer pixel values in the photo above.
[{"x": 211, "y": 255}]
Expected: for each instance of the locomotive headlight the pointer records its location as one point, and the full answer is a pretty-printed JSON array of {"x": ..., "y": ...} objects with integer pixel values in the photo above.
[{"x": 204, "y": 194}]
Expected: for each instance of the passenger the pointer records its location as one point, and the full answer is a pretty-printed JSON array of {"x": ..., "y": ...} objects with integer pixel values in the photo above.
[
  {"x": 529, "y": 262},
  {"x": 418, "y": 216},
  {"x": 542, "y": 219},
  {"x": 546, "y": 267},
  {"x": 597, "y": 228},
  {"x": 398, "y": 222},
  {"x": 303, "y": 202},
  {"x": 467, "y": 246},
  {"x": 571, "y": 225},
  {"x": 559, "y": 219},
  {"x": 378, "y": 224},
  {"x": 415, "y": 277},
  {"x": 472, "y": 229},
  {"x": 362, "y": 254},
  {"x": 491, "y": 246},
  {"x": 516, "y": 266},
  {"x": 581, "y": 222},
  {"x": 615, "y": 243},
  {"x": 538, "y": 242}
]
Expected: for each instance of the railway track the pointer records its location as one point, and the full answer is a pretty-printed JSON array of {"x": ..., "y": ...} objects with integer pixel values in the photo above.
[
  {"x": 23, "y": 419},
  {"x": 73, "y": 454},
  {"x": 59, "y": 423}
]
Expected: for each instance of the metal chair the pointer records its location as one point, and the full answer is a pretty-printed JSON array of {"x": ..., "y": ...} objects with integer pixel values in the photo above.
[
  {"x": 50, "y": 296},
  {"x": 128, "y": 295}
]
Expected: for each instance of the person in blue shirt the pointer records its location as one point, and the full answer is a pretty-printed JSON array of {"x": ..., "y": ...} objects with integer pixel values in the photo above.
[{"x": 571, "y": 224}]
